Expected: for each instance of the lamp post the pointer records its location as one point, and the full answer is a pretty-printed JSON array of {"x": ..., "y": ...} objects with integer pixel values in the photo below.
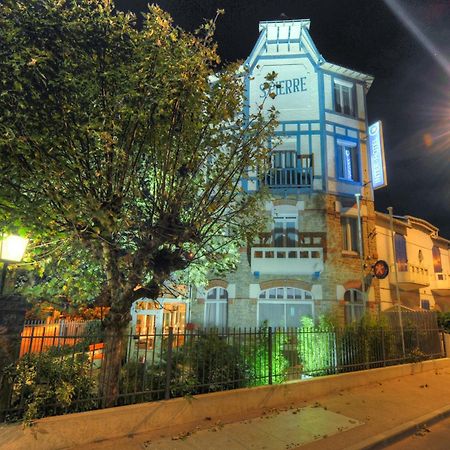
[
  {"x": 12, "y": 249},
  {"x": 397, "y": 291},
  {"x": 361, "y": 250}
]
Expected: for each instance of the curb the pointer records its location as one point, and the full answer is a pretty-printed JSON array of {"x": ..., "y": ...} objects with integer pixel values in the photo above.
[{"x": 402, "y": 431}]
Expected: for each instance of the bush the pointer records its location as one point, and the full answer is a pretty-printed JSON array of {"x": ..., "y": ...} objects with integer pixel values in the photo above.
[
  {"x": 316, "y": 347},
  {"x": 259, "y": 359},
  {"x": 206, "y": 363},
  {"x": 50, "y": 383},
  {"x": 444, "y": 321},
  {"x": 211, "y": 364}
]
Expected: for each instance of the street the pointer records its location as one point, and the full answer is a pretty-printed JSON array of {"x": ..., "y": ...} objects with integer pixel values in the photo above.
[{"x": 435, "y": 437}]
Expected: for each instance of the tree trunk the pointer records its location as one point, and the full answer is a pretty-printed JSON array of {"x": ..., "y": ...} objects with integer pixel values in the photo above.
[{"x": 114, "y": 354}]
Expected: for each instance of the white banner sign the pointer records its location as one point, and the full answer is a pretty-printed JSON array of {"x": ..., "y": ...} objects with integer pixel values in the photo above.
[{"x": 377, "y": 161}]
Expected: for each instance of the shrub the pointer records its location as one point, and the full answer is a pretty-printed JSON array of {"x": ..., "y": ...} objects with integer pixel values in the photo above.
[
  {"x": 316, "y": 347},
  {"x": 50, "y": 383},
  {"x": 444, "y": 321},
  {"x": 259, "y": 360}
]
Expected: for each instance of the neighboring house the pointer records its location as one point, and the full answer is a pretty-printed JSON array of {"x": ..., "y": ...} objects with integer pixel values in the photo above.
[{"x": 423, "y": 264}]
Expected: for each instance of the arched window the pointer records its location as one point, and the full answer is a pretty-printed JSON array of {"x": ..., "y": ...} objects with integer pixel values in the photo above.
[
  {"x": 354, "y": 305},
  {"x": 216, "y": 308},
  {"x": 284, "y": 306}
]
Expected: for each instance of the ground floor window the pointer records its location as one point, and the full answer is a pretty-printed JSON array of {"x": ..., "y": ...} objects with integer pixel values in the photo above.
[
  {"x": 284, "y": 307},
  {"x": 216, "y": 308},
  {"x": 354, "y": 306}
]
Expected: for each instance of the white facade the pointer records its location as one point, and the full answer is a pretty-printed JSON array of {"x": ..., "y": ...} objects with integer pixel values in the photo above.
[{"x": 423, "y": 264}]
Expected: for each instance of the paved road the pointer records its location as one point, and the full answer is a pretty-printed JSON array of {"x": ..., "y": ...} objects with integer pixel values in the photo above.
[{"x": 436, "y": 437}]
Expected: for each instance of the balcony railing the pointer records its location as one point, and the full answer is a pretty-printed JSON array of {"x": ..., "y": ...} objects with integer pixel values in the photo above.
[
  {"x": 299, "y": 176},
  {"x": 304, "y": 239},
  {"x": 287, "y": 260},
  {"x": 410, "y": 276},
  {"x": 441, "y": 283}
]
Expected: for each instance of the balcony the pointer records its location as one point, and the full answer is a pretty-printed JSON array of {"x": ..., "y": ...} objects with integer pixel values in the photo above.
[
  {"x": 287, "y": 260},
  {"x": 410, "y": 276},
  {"x": 299, "y": 175},
  {"x": 441, "y": 284}
]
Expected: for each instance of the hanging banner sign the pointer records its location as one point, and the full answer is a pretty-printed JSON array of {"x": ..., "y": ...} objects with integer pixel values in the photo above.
[{"x": 377, "y": 161}]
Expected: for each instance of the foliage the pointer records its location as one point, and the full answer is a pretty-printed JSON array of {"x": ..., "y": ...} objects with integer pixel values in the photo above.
[
  {"x": 215, "y": 363},
  {"x": 316, "y": 346},
  {"x": 444, "y": 321},
  {"x": 262, "y": 361},
  {"x": 51, "y": 383},
  {"x": 207, "y": 363},
  {"x": 122, "y": 148}
]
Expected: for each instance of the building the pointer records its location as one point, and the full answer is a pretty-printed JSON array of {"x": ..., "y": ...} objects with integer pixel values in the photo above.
[
  {"x": 423, "y": 264},
  {"x": 309, "y": 261}
]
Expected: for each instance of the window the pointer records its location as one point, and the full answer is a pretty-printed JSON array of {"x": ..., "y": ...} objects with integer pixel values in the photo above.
[
  {"x": 354, "y": 306},
  {"x": 284, "y": 159},
  {"x": 285, "y": 231},
  {"x": 425, "y": 304},
  {"x": 350, "y": 241},
  {"x": 344, "y": 98},
  {"x": 400, "y": 252},
  {"x": 284, "y": 306},
  {"x": 216, "y": 308},
  {"x": 437, "y": 262},
  {"x": 347, "y": 161}
]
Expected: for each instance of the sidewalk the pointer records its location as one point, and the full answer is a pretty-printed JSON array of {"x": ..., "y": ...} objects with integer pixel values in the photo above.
[{"x": 362, "y": 417}]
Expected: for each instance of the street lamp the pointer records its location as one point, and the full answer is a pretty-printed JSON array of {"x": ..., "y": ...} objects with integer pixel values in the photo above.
[{"x": 12, "y": 249}]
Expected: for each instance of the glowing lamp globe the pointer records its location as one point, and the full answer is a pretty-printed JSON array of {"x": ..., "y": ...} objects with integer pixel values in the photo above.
[{"x": 12, "y": 248}]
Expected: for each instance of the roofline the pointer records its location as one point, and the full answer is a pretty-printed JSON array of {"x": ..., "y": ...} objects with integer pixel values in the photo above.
[
  {"x": 410, "y": 221},
  {"x": 341, "y": 70},
  {"x": 302, "y": 22}
]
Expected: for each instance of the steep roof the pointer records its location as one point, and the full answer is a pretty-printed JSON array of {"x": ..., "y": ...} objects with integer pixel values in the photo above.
[{"x": 295, "y": 33}]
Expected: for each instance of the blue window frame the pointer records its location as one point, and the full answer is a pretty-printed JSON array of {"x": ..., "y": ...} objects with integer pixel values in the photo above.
[{"x": 348, "y": 161}]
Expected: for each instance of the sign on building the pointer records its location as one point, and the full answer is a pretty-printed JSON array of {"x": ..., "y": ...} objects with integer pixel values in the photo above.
[{"x": 377, "y": 161}]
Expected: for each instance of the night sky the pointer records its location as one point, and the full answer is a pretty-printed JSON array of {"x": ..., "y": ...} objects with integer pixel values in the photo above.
[{"x": 410, "y": 94}]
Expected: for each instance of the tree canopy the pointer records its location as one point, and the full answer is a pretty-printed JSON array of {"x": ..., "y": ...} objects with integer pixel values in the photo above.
[{"x": 123, "y": 147}]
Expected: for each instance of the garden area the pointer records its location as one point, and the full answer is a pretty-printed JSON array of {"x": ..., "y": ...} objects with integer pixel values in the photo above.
[{"x": 68, "y": 376}]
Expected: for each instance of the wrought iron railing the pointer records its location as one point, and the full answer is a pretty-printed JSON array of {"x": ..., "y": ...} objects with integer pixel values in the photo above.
[{"x": 165, "y": 365}]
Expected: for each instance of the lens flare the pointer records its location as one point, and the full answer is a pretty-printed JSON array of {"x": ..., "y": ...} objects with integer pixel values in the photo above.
[{"x": 409, "y": 23}]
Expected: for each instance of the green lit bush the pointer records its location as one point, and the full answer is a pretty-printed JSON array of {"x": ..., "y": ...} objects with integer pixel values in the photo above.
[
  {"x": 316, "y": 347},
  {"x": 261, "y": 364}
]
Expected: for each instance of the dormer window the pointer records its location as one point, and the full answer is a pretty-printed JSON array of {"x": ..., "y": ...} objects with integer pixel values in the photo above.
[{"x": 344, "y": 97}]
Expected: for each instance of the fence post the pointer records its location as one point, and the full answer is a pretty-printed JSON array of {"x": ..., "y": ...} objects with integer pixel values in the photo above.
[
  {"x": 417, "y": 339},
  {"x": 169, "y": 363},
  {"x": 269, "y": 349},
  {"x": 383, "y": 346},
  {"x": 444, "y": 346}
]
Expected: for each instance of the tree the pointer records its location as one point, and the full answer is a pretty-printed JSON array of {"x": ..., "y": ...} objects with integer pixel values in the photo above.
[{"x": 122, "y": 149}]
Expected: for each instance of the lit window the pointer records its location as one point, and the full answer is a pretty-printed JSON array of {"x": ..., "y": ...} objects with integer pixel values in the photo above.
[
  {"x": 284, "y": 307},
  {"x": 347, "y": 161},
  {"x": 216, "y": 308},
  {"x": 354, "y": 306},
  {"x": 350, "y": 234},
  {"x": 437, "y": 262},
  {"x": 285, "y": 231},
  {"x": 344, "y": 98}
]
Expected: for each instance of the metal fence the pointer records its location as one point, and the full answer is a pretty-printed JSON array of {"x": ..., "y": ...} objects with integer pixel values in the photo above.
[{"x": 66, "y": 376}]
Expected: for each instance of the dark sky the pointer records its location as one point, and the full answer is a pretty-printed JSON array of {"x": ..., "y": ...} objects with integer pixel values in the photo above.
[{"x": 410, "y": 94}]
